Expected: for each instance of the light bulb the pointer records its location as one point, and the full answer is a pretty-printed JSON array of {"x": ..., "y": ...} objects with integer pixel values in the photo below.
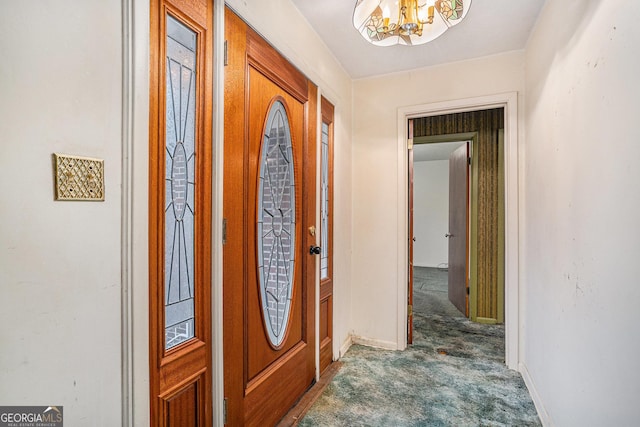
[
  {"x": 422, "y": 14},
  {"x": 386, "y": 13}
]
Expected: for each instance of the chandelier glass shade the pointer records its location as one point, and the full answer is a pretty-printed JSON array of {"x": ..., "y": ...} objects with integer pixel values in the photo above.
[{"x": 407, "y": 22}]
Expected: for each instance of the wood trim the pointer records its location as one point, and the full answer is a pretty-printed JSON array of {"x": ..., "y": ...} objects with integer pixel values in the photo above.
[
  {"x": 327, "y": 111},
  {"x": 309, "y": 185},
  {"x": 501, "y": 217},
  {"x": 306, "y": 402},
  {"x": 192, "y": 359},
  {"x": 197, "y": 11},
  {"x": 266, "y": 59},
  {"x": 235, "y": 129},
  {"x": 449, "y": 137},
  {"x": 473, "y": 231},
  {"x": 327, "y": 114}
]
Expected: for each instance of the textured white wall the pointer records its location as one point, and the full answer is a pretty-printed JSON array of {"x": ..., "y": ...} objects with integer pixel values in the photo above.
[
  {"x": 60, "y": 82},
  {"x": 375, "y": 174},
  {"x": 430, "y": 213},
  {"x": 582, "y": 237}
]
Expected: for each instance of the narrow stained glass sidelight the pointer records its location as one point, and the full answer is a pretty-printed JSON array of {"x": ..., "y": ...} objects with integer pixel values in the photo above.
[
  {"x": 276, "y": 224},
  {"x": 179, "y": 183},
  {"x": 324, "y": 203}
]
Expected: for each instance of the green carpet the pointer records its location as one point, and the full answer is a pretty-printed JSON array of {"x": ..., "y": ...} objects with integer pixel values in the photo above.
[{"x": 453, "y": 375}]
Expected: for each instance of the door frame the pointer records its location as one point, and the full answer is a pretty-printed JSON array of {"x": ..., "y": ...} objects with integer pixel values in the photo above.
[
  {"x": 135, "y": 194},
  {"x": 324, "y": 288},
  {"x": 248, "y": 53},
  {"x": 509, "y": 101},
  {"x": 168, "y": 378}
]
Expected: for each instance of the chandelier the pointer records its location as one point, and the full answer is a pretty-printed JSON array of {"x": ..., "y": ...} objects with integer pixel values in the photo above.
[{"x": 407, "y": 22}]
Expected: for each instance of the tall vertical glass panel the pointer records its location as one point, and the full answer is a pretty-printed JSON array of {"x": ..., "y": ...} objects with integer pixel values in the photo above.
[
  {"x": 324, "y": 203},
  {"x": 179, "y": 183},
  {"x": 276, "y": 224}
]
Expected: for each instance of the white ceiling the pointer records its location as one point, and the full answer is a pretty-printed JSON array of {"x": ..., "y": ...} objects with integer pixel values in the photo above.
[
  {"x": 490, "y": 27},
  {"x": 437, "y": 151}
]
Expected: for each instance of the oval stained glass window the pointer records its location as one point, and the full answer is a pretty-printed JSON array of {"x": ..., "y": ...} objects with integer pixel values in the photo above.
[{"x": 276, "y": 223}]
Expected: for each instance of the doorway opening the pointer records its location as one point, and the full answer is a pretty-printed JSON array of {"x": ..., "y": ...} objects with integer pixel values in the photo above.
[
  {"x": 475, "y": 219},
  {"x": 440, "y": 240}
]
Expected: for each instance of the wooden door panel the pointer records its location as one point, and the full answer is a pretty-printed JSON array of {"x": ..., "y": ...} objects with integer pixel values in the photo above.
[
  {"x": 263, "y": 378},
  {"x": 180, "y": 167},
  {"x": 458, "y": 228},
  {"x": 182, "y": 409},
  {"x": 326, "y": 235},
  {"x": 269, "y": 396},
  {"x": 262, "y": 92},
  {"x": 325, "y": 338}
]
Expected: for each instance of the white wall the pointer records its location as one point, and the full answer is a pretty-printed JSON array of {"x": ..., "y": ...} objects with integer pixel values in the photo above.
[
  {"x": 581, "y": 250},
  {"x": 60, "y": 262},
  {"x": 287, "y": 30},
  {"x": 376, "y": 176},
  {"x": 430, "y": 213},
  {"x": 60, "y": 82}
]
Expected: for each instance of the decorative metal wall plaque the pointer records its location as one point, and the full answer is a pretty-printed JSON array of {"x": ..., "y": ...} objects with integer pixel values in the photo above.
[{"x": 78, "y": 178}]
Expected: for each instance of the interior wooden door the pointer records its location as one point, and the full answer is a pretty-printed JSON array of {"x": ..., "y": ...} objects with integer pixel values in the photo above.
[
  {"x": 180, "y": 162},
  {"x": 326, "y": 235},
  {"x": 458, "y": 228},
  {"x": 411, "y": 238},
  {"x": 269, "y": 207}
]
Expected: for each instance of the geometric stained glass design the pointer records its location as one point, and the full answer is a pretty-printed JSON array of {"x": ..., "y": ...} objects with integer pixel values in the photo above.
[
  {"x": 324, "y": 203},
  {"x": 179, "y": 183},
  {"x": 276, "y": 224}
]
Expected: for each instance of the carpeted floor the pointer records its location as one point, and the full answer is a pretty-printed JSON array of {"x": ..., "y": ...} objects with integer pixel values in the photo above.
[{"x": 453, "y": 375}]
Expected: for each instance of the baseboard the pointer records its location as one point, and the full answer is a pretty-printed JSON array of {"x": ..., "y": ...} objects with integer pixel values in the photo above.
[
  {"x": 346, "y": 345},
  {"x": 370, "y": 342},
  {"x": 431, "y": 266},
  {"x": 537, "y": 401},
  {"x": 485, "y": 320}
]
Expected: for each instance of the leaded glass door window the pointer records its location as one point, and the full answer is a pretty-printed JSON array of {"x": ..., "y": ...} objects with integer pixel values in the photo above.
[
  {"x": 179, "y": 183},
  {"x": 276, "y": 223},
  {"x": 326, "y": 235},
  {"x": 324, "y": 202}
]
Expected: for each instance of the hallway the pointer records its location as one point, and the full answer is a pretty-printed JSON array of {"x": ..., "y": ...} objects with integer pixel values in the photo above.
[{"x": 453, "y": 375}]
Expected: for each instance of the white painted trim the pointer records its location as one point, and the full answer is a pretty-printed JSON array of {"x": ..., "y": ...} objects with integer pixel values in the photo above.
[
  {"x": 126, "y": 239},
  {"x": 217, "y": 326},
  {"x": 318, "y": 226},
  {"x": 535, "y": 396},
  {"x": 510, "y": 103},
  {"x": 371, "y": 342},
  {"x": 139, "y": 184}
]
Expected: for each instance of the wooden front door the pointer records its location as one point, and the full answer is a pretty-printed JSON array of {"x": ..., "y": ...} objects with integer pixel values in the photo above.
[
  {"x": 458, "y": 228},
  {"x": 180, "y": 160},
  {"x": 269, "y": 208}
]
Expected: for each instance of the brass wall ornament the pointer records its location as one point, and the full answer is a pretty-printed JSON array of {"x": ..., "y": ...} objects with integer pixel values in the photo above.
[{"x": 78, "y": 178}]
